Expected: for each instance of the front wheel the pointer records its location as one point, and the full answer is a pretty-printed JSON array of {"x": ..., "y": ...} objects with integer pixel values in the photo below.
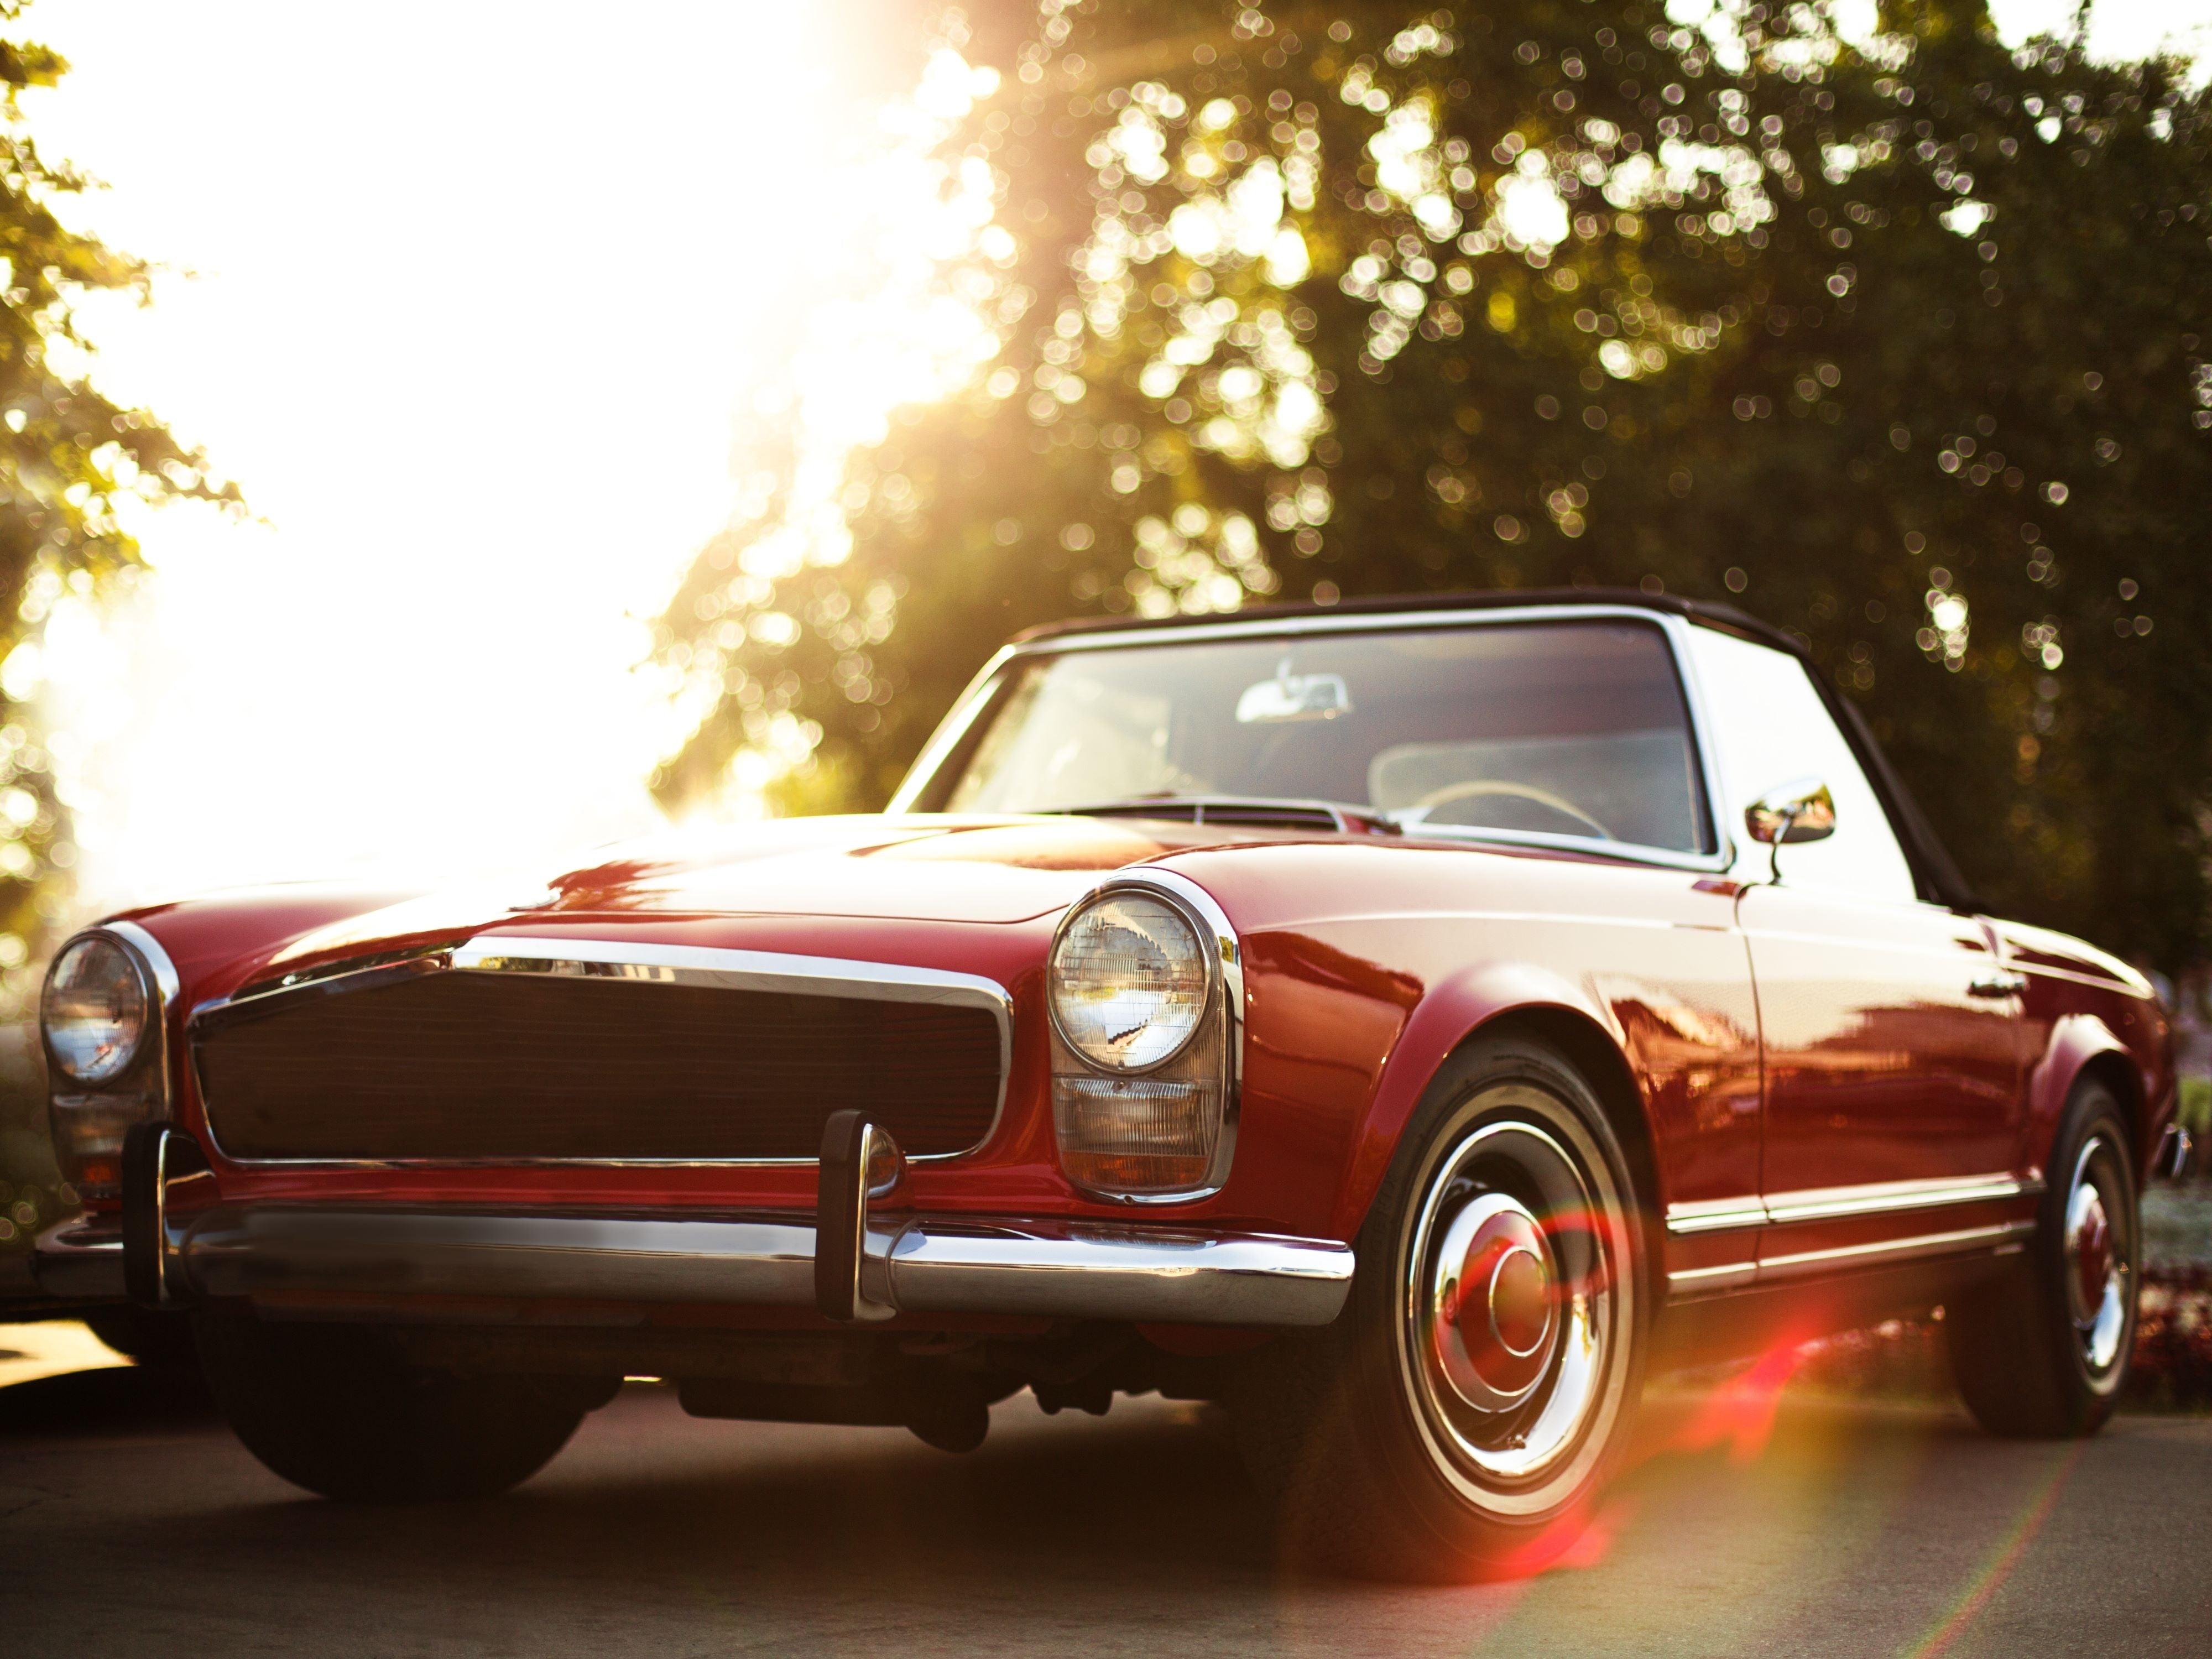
[
  {"x": 1460, "y": 1416},
  {"x": 2043, "y": 1352},
  {"x": 338, "y": 1410}
]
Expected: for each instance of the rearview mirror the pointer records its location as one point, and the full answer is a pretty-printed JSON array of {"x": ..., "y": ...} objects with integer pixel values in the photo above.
[
  {"x": 1290, "y": 697},
  {"x": 1799, "y": 810}
]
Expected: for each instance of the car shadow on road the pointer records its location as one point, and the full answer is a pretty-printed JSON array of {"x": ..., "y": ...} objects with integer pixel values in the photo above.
[
  {"x": 1154, "y": 1495},
  {"x": 119, "y": 1399}
]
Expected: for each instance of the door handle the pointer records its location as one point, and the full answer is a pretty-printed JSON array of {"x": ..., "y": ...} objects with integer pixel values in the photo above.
[{"x": 1996, "y": 986}]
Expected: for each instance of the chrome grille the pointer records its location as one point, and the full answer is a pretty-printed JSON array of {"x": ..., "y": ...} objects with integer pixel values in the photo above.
[{"x": 422, "y": 1062}]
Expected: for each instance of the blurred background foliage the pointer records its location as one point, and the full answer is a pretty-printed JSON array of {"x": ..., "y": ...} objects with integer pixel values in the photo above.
[
  {"x": 1895, "y": 341},
  {"x": 72, "y": 462}
]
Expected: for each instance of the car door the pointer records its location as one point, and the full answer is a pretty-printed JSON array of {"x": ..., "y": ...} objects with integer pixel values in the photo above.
[{"x": 1889, "y": 1030}]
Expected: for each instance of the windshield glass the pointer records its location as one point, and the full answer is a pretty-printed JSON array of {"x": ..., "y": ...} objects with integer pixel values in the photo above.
[{"x": 1571, "y": 728}]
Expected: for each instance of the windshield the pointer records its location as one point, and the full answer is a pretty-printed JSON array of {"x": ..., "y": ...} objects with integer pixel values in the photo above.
[{"x": 1569, "y": 729}]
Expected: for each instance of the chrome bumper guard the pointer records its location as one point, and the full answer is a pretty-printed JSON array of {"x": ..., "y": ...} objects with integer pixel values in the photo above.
[{"x": 896, "y": 1263}]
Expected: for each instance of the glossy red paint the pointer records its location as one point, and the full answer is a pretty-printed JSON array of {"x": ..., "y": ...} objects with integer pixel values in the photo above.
[
  {"x": 1368, "y": 959},
  {"x": 2082, "y": 1007},
  {"x": 1647, "y": 962},
  {"x": 207, "y": 938},
  {"x": 1883, "y": 1063}
]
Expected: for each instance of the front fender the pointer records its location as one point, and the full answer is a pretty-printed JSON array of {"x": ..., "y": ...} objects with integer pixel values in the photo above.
[{"x": 1444, "y": 1019}]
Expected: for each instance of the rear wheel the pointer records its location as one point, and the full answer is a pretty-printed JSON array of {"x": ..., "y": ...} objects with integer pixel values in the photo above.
[
  {"x": 2043, "y": 1352},
  {"x": 1461, "y": 1415},
  {"x": 338, "y": 1410}
]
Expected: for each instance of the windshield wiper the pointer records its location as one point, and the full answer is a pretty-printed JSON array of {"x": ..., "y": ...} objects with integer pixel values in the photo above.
[{"x": 1252, "y": 812}]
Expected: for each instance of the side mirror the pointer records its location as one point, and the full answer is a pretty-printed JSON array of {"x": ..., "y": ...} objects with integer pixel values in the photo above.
[
  {"x": 1799, "y": 810},
  {"x": 1802, "y": 809}
]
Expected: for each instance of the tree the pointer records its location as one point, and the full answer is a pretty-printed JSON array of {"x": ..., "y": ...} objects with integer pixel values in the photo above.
[
  {"x": 69, "y": 458},
  {"x": 1887, "y": 338}
]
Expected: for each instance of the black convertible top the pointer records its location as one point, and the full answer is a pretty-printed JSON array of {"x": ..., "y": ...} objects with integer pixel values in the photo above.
[{"x": 1938, "y": 876}]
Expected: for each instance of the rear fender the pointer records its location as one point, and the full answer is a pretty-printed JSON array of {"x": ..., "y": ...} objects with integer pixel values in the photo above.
[{"x": 2079, "y": 1043}]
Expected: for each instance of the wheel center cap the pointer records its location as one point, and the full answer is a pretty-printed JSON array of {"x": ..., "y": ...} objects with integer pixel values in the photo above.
[
  {"x": 1495, "y": 1301},
  {"x": 1520, "y": 1301},
  {"x": 2091, "y": 1245}
]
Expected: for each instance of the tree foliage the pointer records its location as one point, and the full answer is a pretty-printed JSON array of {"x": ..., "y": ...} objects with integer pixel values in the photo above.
[
  {"x": 69, "y": 458},
  {"x": 1897, "y": 343}
]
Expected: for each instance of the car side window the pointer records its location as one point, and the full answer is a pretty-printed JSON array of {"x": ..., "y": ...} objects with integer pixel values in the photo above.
[{"x": 1770, "y": 727}]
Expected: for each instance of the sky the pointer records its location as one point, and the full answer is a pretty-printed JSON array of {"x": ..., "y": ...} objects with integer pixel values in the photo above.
[{"x": 475, "y": 300}]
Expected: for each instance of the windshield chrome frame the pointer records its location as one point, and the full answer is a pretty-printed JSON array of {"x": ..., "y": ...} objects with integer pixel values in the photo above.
[{"x": 1673, "y": 628}]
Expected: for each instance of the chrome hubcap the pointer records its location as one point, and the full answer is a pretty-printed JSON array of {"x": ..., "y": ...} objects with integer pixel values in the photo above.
[
  {"x": 2099, "y": 1282},
  {"x": 1513, "y": 1303},
  {"x": 1491, "y": 1325}
]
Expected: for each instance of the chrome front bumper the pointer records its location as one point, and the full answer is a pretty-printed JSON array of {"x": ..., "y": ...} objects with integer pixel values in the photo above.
[
  {"x": 855, "y": 1260},
  {"x": 917, "y": 1264}
]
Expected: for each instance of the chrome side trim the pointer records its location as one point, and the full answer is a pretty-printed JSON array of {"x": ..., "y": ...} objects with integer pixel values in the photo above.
[
  {"x": 1885, "y": 1197},
  {"x": 2074, "y": 976},
  {"x": 932, "y": 1264},
  {"x": 1832, "y": 1203},
  {"x": 1713, "y": 1215},
  {"x": 1686, "y": 1284},
  {"x": 641, "y": 962},
  {"x": 1709, "y": 1282},
  {"x": 1889, "y": 1250},
  {"x": 1225, "y": 967}
]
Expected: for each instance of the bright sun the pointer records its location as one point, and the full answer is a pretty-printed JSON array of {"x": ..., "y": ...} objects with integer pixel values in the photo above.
[{"x": 478, "y": 292}]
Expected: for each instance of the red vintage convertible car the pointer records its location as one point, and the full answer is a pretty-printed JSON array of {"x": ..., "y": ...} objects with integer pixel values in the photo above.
[{"x": 1408, "y": 1023}]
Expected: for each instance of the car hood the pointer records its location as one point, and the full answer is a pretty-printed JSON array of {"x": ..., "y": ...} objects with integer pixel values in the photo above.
[{"x": 899, "y": 869}]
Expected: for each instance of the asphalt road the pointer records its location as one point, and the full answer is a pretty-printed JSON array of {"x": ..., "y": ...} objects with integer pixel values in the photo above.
[{"x": 130, "y": 1524}]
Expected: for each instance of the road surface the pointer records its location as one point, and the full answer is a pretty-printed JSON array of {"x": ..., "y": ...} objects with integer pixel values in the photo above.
[{"x": 133, "y": 1524}]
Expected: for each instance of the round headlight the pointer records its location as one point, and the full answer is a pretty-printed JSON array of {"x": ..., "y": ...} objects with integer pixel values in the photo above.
[
  {"x": 1128, "y": 982},
  {"x": 95, "y": 1010}
]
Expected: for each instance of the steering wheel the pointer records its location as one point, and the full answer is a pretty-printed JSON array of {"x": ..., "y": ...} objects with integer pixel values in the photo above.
[{"x": 1476, "y": 787}]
